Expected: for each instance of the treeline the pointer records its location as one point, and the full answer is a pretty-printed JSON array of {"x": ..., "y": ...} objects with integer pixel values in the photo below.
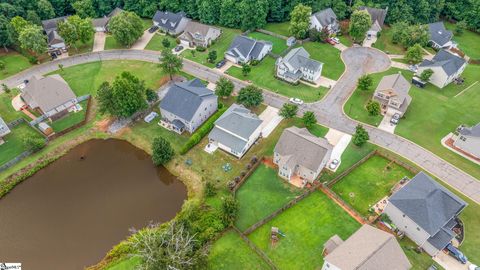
[{"x": 246, "y": 14}]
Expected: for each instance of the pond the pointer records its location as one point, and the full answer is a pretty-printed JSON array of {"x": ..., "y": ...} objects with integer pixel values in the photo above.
[{"x": 70, "y": 214}]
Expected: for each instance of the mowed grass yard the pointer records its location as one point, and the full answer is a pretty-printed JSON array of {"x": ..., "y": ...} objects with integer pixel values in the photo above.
[
  {"x": 13, "y": 145},
  {"x": 279, "y": 45},
  {"x": 155, "y": 43},
  {"x": 369, "y": 182},
  {"x": 231, "y": 252},
  {"x": 220, "y": 45},
  {"x": 279, "y": 28},
  {"x": 333, "y": 66},
  {"x": 384, "y": 42},
  {"x": 71, "y": 119},
  {"x": 263, "y": 75},
  {"x": 432, "y": 114},
  {"x": 307, "y": 226},
  {"x": 262, "y": 194},
  {"x": 467, "y": 41},
  {"x": 14, "y": 63}
]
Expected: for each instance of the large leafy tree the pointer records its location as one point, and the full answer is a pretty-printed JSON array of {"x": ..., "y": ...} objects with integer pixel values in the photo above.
[
  {"x": 84, "y": 8},
  {"x": 170, "y": 63},
  {"x": 309, "y": 119},
  {"x": 45, "y": 9},
  {"x": 6, "y": 33},
  {"x": 288, "y": 110},
  {"x": 126, "y": 28},
  {"x": 224, "y": 87},
  {"x": 365, "y": 82},
  {"x": 31, "y": 38},
  {"x": 162, "y": 151},
  {"x": 250, "y": 96},
  {"x": 360, "y": 137},
  {"x": 414, "y": 54},
  {"x": 300, "y": 21},
  {"x": 253, "y": 14},
  {"x": 76, "y": 29},
  {"x": 229, "y": 13},
  {"x": 360, "y": 22}
]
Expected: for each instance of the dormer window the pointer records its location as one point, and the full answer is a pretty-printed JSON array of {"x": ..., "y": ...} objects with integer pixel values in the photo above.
[{"x": 164, "y": 21}]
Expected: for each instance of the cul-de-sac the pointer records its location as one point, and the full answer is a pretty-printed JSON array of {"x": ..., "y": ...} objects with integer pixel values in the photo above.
[{"x": 249, "y": 134}]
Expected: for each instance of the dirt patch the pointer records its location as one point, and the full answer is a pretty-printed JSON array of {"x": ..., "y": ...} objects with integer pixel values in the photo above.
[{"x": 268, "y": 161}]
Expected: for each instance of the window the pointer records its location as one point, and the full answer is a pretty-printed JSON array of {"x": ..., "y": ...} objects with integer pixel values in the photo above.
[{"x": 403, "y": 215}]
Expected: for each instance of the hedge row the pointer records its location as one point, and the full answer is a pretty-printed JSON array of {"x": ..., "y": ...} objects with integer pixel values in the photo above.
[{"x": 201, "y": 132}]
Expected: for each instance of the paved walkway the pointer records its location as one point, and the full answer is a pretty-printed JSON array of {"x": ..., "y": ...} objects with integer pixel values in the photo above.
[
  {"x": 399, "y": 65},
  {"x": 142, "y": 42},
  {"x": 99, "y": 41},
  {"x": 329, "y": 111}
]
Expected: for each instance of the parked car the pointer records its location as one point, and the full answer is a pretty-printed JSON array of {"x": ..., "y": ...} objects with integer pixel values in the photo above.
[
  {"x": 330, "y": 41},
  {"x": 457, "y": 254},
  {"x": 221, "y": 63},
  {"x": 178, "y": 48},
  {"x": 395, "y": 119},
  {"x": 336, "y": 40},
  {"x": 153, "y": 29},
  {"x": 333, "y": 164},
  {"x": 413, "y": 68},
  {"x": 296, "y": 101},
  {"x": 473, "y": 267}
]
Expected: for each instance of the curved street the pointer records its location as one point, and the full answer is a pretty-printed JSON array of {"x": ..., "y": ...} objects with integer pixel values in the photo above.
[{"x": 329, "y": 110}]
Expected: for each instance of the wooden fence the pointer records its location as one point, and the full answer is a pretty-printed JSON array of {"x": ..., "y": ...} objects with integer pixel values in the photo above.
[
  {"x": 347, "y": 171},
  {"x": 247, "y": 174},
  {"x": 256, "y": 249},
  {"x": 67, "y": 130}
]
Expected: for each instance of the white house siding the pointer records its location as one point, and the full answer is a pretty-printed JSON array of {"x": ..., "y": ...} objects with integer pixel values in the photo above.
[
  {"x": 204, "y": 111},
  {"x": 314, "y": 23},
  {"x": 405, "y": 224},
  {"x": 431, "y": 250},
  {"x": 439, "y": 78},
  {"x": 471, "y": 145},
  {"x": 231, "y": 58},
  {"x": 306, "y": 173}
]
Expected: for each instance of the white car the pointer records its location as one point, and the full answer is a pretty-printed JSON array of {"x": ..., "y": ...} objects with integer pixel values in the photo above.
[
  {"x": 333, "y": 164},
  {"x": 336, "y": 40},
  {"x": 473, "y": 267},
  {"x": 296, "y": 101}
]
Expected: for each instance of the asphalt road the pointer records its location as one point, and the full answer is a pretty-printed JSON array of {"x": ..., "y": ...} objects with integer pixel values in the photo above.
[{"x": 329, "y": 110}]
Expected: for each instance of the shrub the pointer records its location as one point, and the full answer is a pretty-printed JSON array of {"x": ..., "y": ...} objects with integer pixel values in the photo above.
[
  {"x": 200, "y": 48},
  {"x": 229, "y": 210},
  {"x": 202, "y": 131},
  {"x": 33, "y": 143},
  {"x": 32, "y": 59},
  {"x": 162, "y": 151},
  {"x": 254, "y": 62},
  {"x": 210, "y": 190}
]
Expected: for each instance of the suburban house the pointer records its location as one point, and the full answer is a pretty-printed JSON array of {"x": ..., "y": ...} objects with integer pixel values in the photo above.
[
  {"x": 50, "y": 96},
  {"x": 440, "y": 37},
  {"x": 244, "y": 49},
  {"x": 54, "y": 40},
  {"x": 199, "y": 34},
  {"x": 426, "y": 212},
  {"x": 392, "y": 93},
  {"x": 325, "y": 19},
  {"x": 171, "y": 23},
  {"x": 468, "y": 140},
  {"x": 299, "y": 154},
  {"x": 100, "y": 24},
  {"x": 187, "y": 105},
  {"x": 446, "y": 67},
  {"x": 367, "y": 249},
  {"x": 4, "y": 130},
  {"x": 378, "y": 18},
  {"x": 297, "y": 65},
  {"x": 236, "y": 130}
]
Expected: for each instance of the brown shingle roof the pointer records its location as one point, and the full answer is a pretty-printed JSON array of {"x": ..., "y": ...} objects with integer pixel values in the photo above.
[{"x": 47, "y": 93}]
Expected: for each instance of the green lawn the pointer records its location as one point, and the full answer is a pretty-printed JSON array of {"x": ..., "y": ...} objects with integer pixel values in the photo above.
[
  {"x": 6, "y": 110},
  {"x": 384, "y": 42},
  {"x": 112, "y": 44},
  {"x": 345, "y": 40},
  {"x": 231, "y": 252},
  {"x": 279, "y": 45},
  {"x": 262, "y": 194},
  {"x": 370, "y": 182},
  {"x": 468, "y": 42},
  {"x": 333, "y": 66},
  {"x": 14, "y": 63},
  {"x": 82, "y": 48},
  {"x": 155, "y": 43},
  {"x": 71, "y": 119},
  {"x": 279, "y": 28},
  {"x": 263, "y": 75},
  {"x": 127, "y": 264},
  {"x": 13, "y": 145},
  {"x": 307, "y": 226},
  {"x": 419, "y": 261},
  {"x": 220, "y": 45}
]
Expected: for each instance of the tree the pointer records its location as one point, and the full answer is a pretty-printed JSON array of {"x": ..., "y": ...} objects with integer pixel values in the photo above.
[
  {"x": 162, "y": 151},
  {"x": 2, "y": 65},
  {"x": 6, "y": 89},
  {"x": 126, "y": 27},
  {"x": 365, "y": 82},
  {"x": 361, "y": 136},
  {"x": 229, "y": 210},
  {"x": 84, "y": 8},
  {"x": 288, "y": 110},
  {"x": 360, "y": 22},
  {"x": 300, "y": 21},
  {"x": 414, "y": 54},
  {"x": 426, "y": 74},
  {"x": 75, "y": 29},
  {"x": 373, "y": 107},
  {"x": 170, "y": 63},
  {"x": 166, "y": 43},
  {"x": 31, "y": 38},
  {"x": 60, "y": 66},
  {"x": 253, "y": 14},
  {"x": 246, "y": 69},
  {"x": 224, "y": 87},
  {"x": 45, "y": 9},
  {"x": 105, "y": 98},
  {"x": 460, "y": 27},
  {"x": 250, "y": 96},
  {"x": 6, "y": 33},
  {"x": 212, "y": 56},
  {"x": 152, "y": 96},
  {"x": 210, "y": 189},
  {"x": 409, "y": 35},
  {"x": 33, "y": 17},
  {"x": 18, "y": 24},
  {"x": 309, "y": 119},
  {"x": 33, "y": 143}
]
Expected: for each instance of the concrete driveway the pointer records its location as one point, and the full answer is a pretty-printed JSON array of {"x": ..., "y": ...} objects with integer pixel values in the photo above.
[
  {"x": 142, "y": 42},
  {"x": 340, "y": 141},
  {"x": 448, "y": 262},
  {"x": 99, "y": 41},
  {"x": 270, "y": 119},
  {"x": 368, "y": 42},
  {"x": 385, "y": 124}
]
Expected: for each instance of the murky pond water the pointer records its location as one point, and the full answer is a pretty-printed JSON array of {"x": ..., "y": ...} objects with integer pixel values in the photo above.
[{"x": 69, "y": 214}]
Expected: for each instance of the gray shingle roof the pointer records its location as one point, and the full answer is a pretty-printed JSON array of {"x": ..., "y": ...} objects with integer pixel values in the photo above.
[
  {"x": 168, "y": 20},
  {"x": 299, "y": 58},
  {"x": 471, "y": 131},
  {"x": 115, "y": 12},
  {"x": 47, "y": 93},
  {"x": 441, "y": 239},
  {"x": 227, "y": 139},
  {"x": 449, "y": 62},
  {"x": 54, "y": 38},
  {"x": 397, "y": 83},
  {"x": 245, "y": 46},
  {"x": 183, "y": 99},
  {"x": 100, "y": 22},
  {"x": 239, "y": 121},
  {"x": 303, "y": 148},
  {"x": 52, "y": 24},
  {"x": 4, "y": 130},
  {"x": 427, "y": 203},
  {"x": 327, "y": 17},
  {"x": 439, "y": 34},
  {"x": 377, "y": 14},
  {"x": 369, "y": 249}
]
